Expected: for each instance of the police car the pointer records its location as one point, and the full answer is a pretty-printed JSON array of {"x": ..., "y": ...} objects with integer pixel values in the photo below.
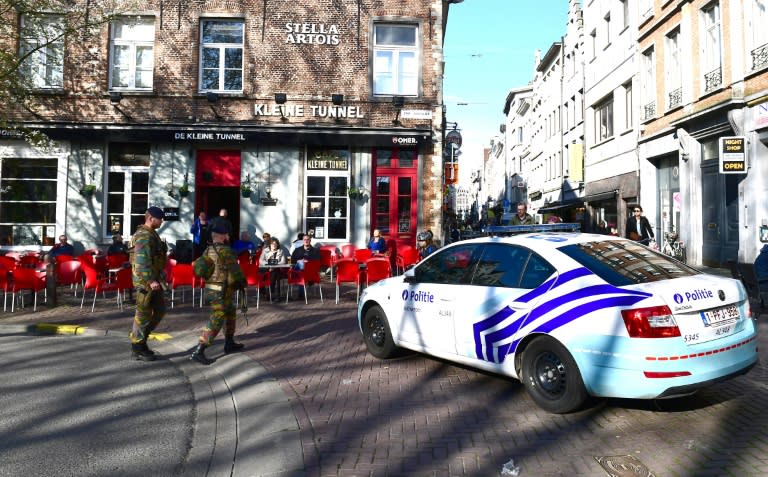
[{"x": 571, "y": 315}]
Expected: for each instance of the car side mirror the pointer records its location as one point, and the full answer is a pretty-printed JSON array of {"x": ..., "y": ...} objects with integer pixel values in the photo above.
[{"x": 410, "y": 276}]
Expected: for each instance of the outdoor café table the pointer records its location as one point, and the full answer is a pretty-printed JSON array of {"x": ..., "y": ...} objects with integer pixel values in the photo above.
[{"x": 277, "y": 273}]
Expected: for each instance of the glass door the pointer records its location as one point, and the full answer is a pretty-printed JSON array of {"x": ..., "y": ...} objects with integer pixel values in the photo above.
[{"x": 394, "y": 211}]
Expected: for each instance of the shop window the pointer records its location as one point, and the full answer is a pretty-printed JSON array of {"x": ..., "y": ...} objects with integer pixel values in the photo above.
[
  {"x": 42, "y": 51},
  {"x": 127, "y": 192},
  {"x": 221, "y": 55},
  {"x": 395, "y": 59},
  {"x": 327, "y": 202},
  {"x": 27, "y": 201},
  {"x": 132, "y": 53}
]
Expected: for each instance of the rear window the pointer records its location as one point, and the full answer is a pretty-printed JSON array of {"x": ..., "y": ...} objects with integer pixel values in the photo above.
[{"x": 626, "y": 263}]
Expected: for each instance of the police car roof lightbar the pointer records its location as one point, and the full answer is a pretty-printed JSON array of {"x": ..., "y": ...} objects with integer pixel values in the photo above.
[{"x": 502, "y": 230}]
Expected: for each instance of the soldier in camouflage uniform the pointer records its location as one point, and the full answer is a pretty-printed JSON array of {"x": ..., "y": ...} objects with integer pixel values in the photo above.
[
  {"x": 227, "y": 278},
  {"x": 148, "y": 265}
]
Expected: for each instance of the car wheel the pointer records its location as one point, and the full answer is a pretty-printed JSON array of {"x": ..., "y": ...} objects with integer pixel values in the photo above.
[
  {"x": 551, "y": 377},
  {"x": 377, "y": 335}
]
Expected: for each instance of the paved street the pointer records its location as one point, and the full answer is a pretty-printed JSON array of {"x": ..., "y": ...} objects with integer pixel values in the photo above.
[{"x": 333, "y": 410}]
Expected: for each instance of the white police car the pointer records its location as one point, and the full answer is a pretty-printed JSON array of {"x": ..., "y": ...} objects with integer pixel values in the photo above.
[{"x": 571, "y": 315}]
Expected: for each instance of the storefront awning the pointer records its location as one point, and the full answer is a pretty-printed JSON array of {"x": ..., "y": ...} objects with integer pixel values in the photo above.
[
  {"x": 559, "y": 206},
  {"x": 321, "y": 135},
  {"x": 600, "y": 196}
]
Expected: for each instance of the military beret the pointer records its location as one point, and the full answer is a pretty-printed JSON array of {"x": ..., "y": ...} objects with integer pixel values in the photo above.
[
  {"x": 219, "y": 228},
  {"x": 156, "y": 212}
]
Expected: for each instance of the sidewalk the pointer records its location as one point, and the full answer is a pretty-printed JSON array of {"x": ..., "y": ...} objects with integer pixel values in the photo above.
[{"x": 244, "y": 423}]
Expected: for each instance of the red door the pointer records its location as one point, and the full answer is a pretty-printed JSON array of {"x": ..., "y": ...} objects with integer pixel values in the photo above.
[
  {"x": 394, "y": 195},
  {"x": 217, "y": 185}
]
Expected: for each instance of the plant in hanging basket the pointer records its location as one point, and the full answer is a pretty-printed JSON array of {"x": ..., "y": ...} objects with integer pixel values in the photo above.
[
  {"x": 184, "y": 190},
  {"x": 88, "y": 190},
  {"x": 245, "y": 189},
  {"x": 353, "y": 193}
]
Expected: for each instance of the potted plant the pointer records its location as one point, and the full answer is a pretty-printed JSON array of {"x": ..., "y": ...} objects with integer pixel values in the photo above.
[
  {"x": 353, "y": 193},
  {"x": 245, "y": 189},
  {"x": 184, "y": 190},
  {"x": 87, "y": 190}
]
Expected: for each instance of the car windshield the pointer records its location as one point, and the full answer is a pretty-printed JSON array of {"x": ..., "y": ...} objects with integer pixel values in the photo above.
[{"x": 623, "y": 263}]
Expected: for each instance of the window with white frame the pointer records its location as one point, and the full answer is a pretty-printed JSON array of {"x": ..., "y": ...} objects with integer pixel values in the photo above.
[
  {"x": 645, "y": 7},
  {"x": 648, "y": 84},
  {"x": 607, "y": 19},
  {"x": 673, "y": 81},
  {"x": 132, "y": 44},
  {"x": 395, "y": 59},
  {"x": 221, "y": 55},
  {"x": 624, "y": 14},
  {"x": 127, "y": 192},
  {"x": 758, "y": 50},
  {"x": 628, "y": 105},
  {"x": 327, "y": 201},
  {"x": 604, "y": 120},
  {"x": 28, "y": 201},
  {"x": 42, "y": 51},
  {"x": 711, "y": 47}
]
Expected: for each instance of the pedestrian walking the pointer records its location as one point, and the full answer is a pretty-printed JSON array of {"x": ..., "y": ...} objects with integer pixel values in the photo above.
[
  {"x": 148, "y": 265},
  {"x": 224, "y": 278}
]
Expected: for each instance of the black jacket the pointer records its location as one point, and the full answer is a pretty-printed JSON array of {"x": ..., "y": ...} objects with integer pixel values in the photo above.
[{"x": 646, "y": 233}]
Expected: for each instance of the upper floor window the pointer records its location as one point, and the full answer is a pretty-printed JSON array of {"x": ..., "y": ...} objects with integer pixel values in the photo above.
[
  {"x": 132, "y": 55},
  {"x": 628, "y": 105},
  {"x": 396, "y": 60},
  {"x": 607, "y": 19},
  {"x": 604, "y": 120},
  {"x": 673, "y": 71},
  {"x": 221, "y": 55},
  {"x": 711, "y": 47},
  {"x": 593, "y": 43},
  {"x": 648, "y": 84},
  {"x": 758, "y": 49},
  {"x": 42, "y": 51},
  {"x": 624, "y": 13}
]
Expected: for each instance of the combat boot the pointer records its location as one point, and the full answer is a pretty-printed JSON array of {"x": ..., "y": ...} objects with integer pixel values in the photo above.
[
  {"x": 140, "y": 352},
  {"x": 230, "y": 346},
  {"x": 199, "y": 355}
]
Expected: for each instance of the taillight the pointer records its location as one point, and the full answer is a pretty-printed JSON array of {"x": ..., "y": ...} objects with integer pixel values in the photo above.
[{"x": 652, "y": 322}]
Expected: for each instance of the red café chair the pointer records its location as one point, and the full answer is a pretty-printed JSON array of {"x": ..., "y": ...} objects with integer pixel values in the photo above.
[
  {"x": 377, "y": 268},
  {"x": 26, "y": 279},
  {"x": 182, "y": 275},
  {"x": 308, "y": 276},
  {"x": 363, "y": 254},
  {"x": 8, "y": 262},
  {"x": 348, "y": 250},
  {"x": 29, "y": 260},
  {"x": 347, "y": 271},
  {"x": 96, "y": 282},
  {"x": 406, "y": 256},
  {"x": 257, "y": 279},
  {"x": 244, "y": 257},
  {"x": 124, "y": 282},
  {"x": 69, "y": 273},
  {"x": 5, "y": 284},
  {"x": 117, "y": 260}
]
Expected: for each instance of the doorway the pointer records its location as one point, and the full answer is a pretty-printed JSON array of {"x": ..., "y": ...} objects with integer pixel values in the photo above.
[
  {"x": 720, "y": 215},
  {"x": 213, "y": 199},
  {"x": 394, "y": 195},
  {"x": 217, "y": 183}
]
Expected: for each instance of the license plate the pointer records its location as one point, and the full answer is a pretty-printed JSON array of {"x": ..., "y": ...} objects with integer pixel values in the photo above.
[{"x": 719, "y": 316}]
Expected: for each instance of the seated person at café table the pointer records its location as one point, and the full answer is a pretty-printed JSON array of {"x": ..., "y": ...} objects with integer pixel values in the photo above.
[
  {"x": 377, "y": 244},
  {"x": 305, "y": 252},
  {"x": 243, "y": 244},
  {"x": 117, "y": 246},
  {"x": 274, "y": 256},
  {"x": 61, "y": 248}
]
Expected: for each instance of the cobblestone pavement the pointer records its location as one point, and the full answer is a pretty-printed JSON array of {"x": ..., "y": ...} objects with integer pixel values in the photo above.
[{"x": 418, "y": 416}]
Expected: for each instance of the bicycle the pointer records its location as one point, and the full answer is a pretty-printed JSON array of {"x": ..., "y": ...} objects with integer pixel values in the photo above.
[{"x": 673, "y": 247}]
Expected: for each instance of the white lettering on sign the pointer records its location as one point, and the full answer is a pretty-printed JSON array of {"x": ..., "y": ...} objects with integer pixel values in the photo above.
[
  {"x": 298, "y": 110},
  {"x": 311, "y": 34},
  {"x": 208, "y": 136}
]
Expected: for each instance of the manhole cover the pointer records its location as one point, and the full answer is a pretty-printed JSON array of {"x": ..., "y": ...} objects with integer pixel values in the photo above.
[{"x": 623, "y": 466}]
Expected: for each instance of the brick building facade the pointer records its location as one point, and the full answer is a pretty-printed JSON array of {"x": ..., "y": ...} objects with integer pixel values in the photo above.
[{"x": 302, "y": 105}]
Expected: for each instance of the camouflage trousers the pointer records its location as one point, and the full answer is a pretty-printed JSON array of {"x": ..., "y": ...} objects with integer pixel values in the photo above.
[
  {"x": 150, "y": 309},
  {"x": 223, "y": 313}
]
